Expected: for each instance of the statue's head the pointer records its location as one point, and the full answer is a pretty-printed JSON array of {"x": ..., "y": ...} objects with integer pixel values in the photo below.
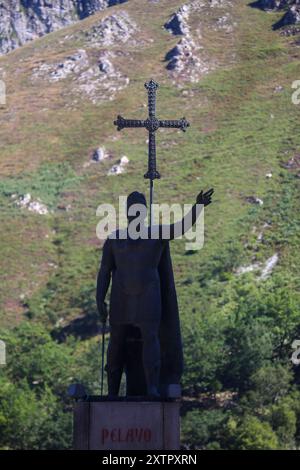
[{"x": 135, "y": 198}]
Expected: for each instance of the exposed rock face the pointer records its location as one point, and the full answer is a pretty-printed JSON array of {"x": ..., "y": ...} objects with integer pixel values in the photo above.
[
  {"x": 184, "y": 62},
  {"x": 269, "y": 266},
  {"x": 292, "y": 15},
  {"x": 265, "y": 268},
  {"x": 24, "y": 20},
  {"x": 27, "y": 202},
  {"x": 100, "y": 79},
  {"x": 277, "y": 4},
  {"x": 178, "y": 22},
  {"x": 71, "y": 65},
  {"x": 88, "y": 7},
  {"x": 116, "y": 28},
  {"x": 187, "y": 60},
  {"x": 270, "y": 4},
  {"x": 97, "y": 81}
]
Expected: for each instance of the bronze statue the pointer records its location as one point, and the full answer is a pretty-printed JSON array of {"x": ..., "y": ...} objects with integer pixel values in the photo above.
[
  {"x": 143, "y": 316},
  {"x": 143, "y": 298}
]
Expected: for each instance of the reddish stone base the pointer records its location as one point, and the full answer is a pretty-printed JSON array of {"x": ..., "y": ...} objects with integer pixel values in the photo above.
[{"x": 121, "y": 425}]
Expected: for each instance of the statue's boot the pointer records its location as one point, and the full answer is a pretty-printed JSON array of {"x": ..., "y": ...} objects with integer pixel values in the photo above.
[{"x": 113, "y": 381}]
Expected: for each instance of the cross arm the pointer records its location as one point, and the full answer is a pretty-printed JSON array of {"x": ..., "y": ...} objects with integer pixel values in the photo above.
[
  {"x": 121, "y": 122},
  {"x": 179, "y": 124}
]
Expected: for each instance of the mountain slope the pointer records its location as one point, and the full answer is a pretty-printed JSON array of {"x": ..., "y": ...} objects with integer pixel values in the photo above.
[
  {"x": 231, "y": 76},
  {"x": 229, "y": 113}
]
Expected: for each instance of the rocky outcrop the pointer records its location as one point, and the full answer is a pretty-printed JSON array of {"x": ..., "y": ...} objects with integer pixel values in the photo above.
[
  {"x": 89, "y": 7},
  {"x": 98, "y": 80},
  {"x": 115, "y": 28},
  {"x": 265, "y": 268},
  {"x": 292, "y": 16},
  {"x": 276, "y": 4},
  {"x": 101, "y": 81},
  {"x": 24, "y": 20},
  {"x": 184, "y": 61},
  {"x": 187, "y": 61},
  {"x": 73, "y": 64},
  {"x": 28, "y": 203},
  {"x": 270, "y": 4},
  {"x": 178, "y": 23},
  {"x": 292, "y": 7}
]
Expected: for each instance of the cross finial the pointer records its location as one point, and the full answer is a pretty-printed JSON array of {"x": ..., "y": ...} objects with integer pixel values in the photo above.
[
  {"x": 152, "y": 123},
  {"x": 151, "y": 85}
]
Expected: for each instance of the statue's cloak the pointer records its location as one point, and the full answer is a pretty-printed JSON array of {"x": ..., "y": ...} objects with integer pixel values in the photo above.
[{"x": 170, "y": 336}]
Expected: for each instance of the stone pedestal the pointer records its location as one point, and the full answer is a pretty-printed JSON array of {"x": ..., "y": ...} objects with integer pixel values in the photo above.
[{"x": 127, "y": 425}]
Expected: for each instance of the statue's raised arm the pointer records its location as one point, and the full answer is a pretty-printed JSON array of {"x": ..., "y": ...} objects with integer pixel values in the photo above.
[{"x": 177, "y": 229}]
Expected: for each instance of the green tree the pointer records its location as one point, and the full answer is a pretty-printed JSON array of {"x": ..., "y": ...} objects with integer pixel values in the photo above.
[
  {"x": 252, "y": 434},
  {"x": 284, "y": 423},
  {"x": 203, "y": 428},
  {"x": 34, "y": 409},
  {"x": 31, "y": 422},
  {"x": 268, "y": 385},
  {"x": 203, "y": 340},
  {"x": 250, "y": 347}
]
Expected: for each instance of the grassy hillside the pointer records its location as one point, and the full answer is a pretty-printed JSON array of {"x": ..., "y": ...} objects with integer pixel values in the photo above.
[{"x": 243, "y": 126}]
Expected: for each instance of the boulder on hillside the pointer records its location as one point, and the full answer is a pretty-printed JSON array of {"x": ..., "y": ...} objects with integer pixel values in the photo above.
[
  {"x": 119, "y": 168},
  {"x": 100, "y": 154}
]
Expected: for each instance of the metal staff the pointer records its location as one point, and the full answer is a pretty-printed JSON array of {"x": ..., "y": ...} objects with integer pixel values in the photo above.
[{"x": 104, "y": 318}]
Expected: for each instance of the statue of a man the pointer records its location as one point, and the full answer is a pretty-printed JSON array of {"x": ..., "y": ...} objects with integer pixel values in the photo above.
[{"x": 143, "y": 295}]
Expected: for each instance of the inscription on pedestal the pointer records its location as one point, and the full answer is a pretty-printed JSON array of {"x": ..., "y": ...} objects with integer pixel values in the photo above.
[{"x": 126, "y": 425}]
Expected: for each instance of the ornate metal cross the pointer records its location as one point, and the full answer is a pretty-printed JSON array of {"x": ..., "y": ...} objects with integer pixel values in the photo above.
[{"x": 152, "y": 123}]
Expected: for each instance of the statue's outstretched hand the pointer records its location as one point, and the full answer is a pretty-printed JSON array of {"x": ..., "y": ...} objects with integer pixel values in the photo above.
[
  {"x": 102, "y": 308},
  {"x": 205, "y": 198}
]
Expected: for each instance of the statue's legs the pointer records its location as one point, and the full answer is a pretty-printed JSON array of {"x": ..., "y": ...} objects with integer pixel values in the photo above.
[
  {"x": 115, "y": 358},
  {"x": 151, "y": 357},
  {"x": 134, "y": 368}
]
